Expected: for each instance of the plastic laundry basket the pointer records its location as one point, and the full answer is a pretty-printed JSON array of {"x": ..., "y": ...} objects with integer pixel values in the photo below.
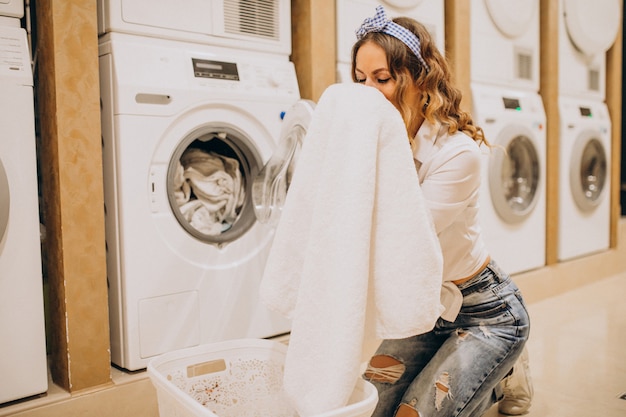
[{"x": 236, "y": 378}]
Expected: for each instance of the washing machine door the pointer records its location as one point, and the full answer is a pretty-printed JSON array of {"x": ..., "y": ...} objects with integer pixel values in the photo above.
[
  {"x": 511, "y": 17},
  {"x": 4, "y": 201},
  {"x": 270, "y": 186},
  {"x": 209, "y": 181},
  {"x": 514, "y": 174},
  {"x": 588, "y": 171},
  {"x": 592, "y": 26}
]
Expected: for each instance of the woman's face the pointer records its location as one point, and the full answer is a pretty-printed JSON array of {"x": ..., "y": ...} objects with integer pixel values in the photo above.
[{"x": 372, "y": 70}]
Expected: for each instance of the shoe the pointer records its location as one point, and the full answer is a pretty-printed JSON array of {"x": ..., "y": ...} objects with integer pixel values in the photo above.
[{"x": 517, "y": 388}]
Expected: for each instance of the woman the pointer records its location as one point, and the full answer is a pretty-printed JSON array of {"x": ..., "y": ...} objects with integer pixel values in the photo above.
[{"x": 455, "y": 369}]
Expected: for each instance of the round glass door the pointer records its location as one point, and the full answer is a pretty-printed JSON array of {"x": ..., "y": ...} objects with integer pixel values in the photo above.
[
  {"x": 514, "y": 177},
  {"x": 209, "y": 181},
  {"x": 588, "y": 173},
  {"x": 4, "y": 201},
  {"x": 270, "y": 186}
]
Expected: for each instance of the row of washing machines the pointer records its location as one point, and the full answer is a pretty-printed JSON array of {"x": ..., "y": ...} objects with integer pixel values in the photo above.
[
  {"x": 505, "y": 50},
  {"x": 184, "y": 89},
  {"x": 199, "y": 101}
]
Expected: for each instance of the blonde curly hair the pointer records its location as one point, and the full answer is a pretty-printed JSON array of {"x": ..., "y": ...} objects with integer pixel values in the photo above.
[{"x": 440, "y": 99}]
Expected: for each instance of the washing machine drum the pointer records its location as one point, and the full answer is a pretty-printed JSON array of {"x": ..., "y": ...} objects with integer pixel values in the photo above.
[
  {"x": 514, "y": 175},
  {"x": 588, "y": 171},
  {"x": 592, "y": 26},
  {"x": 270, "y": 186},
  {"x": 4, "y": 201},
  {"x": 209, "y": 180}
]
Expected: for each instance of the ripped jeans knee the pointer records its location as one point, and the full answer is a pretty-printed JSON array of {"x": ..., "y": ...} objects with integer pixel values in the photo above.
[
  {"x": 385, "y": 369},
  {"x": 388, "y": 370}
]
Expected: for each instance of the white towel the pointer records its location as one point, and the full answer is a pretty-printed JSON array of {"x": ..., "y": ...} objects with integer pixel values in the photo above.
[{"x": 355, "y": 257}]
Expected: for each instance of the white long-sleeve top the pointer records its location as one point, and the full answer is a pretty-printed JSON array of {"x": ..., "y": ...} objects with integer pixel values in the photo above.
[{"x": 449, "y": 173}]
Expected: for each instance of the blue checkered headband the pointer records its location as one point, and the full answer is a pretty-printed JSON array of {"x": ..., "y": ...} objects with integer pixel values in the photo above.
[{"x": 380, "y": 23}]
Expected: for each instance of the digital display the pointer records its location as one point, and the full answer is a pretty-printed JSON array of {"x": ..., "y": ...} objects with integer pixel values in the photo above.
[
  {"x": 511, "y": 103},
  {"x": 585, "y": 111},
  {"x": 204, "y": 68}
]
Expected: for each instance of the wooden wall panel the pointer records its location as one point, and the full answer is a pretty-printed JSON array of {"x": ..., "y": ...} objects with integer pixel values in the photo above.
[
  {"x": 314, "y": 51},
  {"x": 457, "y": 32},
  {"x": 73, "y": 205},
  {"x": 614, "y": 94},
  {"x": 549, "y": 91}
]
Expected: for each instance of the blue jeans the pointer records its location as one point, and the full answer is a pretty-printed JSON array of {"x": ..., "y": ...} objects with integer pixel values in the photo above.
[{"x": 455, "y": 369}]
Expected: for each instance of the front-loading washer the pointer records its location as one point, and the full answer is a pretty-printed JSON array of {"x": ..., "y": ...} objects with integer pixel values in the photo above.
[
  {"x": 587, "y": 29},
  {"x": 504, "y": 43},
  {"x": 263, "y": 26},
  {"x": 23, "y": 364},
  {"x": 584, "y": 177},
  {"x": 351, "y": 13},
  {"x": 513, "y": 188},
  {"x": 186, "y": 128}
]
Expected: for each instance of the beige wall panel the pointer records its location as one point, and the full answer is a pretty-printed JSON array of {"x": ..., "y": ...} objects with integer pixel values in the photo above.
[
  {"x": 71, "y": 163},
  {"x": 614, "y": 94},
  {"x": 457, "y": 32},
  {"x": 549, "y": 91},
  {"x": 314, "y": 50}
]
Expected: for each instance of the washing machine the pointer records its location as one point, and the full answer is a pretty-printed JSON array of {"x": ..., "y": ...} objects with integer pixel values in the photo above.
[
  {"x": 254, "y": 25},
  {"x": 505, "y": 43},
  {"x": 186, "y": 128},
  {"x": 584, "y": 177},
  {"x": 351, "y": 13},
  {"x": 586, "y": 31},
  {"x": 23, "y": 366},
  {"x": 513, "y": 188}
]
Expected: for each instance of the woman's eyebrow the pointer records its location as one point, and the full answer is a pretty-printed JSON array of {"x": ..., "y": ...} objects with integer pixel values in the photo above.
[{"x": 376, "y": 71}]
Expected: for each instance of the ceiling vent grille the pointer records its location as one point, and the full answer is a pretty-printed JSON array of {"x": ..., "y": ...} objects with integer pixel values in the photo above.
[{"x": 258, "y": 18}]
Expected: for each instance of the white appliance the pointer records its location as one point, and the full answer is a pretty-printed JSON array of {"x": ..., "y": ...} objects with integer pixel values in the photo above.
[
  {"x": 351, "y": 13},
  {"x": 505, "y": 43},
  {"x": 12, "y": 8},
  {"x": 23, "y": 366},
  {"x": 587, "y": 29},
  {"x": 584, "y": 177},
  {"x": 513, "y": 188},
  {"x": 263, "y": 26},
  {"x": 173, "y": 281}
]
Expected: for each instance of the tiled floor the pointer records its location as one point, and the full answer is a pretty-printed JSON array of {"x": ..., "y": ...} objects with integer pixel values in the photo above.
[{"x": 577, "y": 352}]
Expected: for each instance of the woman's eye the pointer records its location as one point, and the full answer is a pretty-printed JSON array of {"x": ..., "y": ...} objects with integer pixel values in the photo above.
[
  {"x": 362, "y": 80},
  {"x": 384, "y": 81}
]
